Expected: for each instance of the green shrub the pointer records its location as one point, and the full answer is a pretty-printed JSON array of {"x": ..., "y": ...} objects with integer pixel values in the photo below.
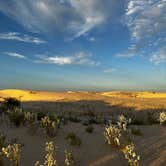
[
  {"x": 40, "y": 115},
  {"x": 2, "y": 140},
  {"x": 89, "y": 129},
  {"x": 73, "y": 139}
]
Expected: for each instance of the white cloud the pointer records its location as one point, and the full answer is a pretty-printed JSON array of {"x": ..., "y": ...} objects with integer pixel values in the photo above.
[
  {"x": 16, "y": 55},
  {"x": 146, "y": 21},
  {"x": 80, "y": 58},
  {"x": 72, "y": 17},
  {"x": 20, "y": 37},
  {"x": 159, "y": 56}
]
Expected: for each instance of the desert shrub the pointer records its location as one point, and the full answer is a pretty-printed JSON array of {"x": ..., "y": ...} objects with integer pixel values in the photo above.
[
  {"x": 73, "y": 139},
  {"x": 74, "y": 119},
  {"x": 69, "y": 158},
  {"x": 12, "y": 152},
  {"x": 40, "y": 115},
  {"x": 16, "y": 116},
  {"x": 123, "y": 122},
  {"x": 50, "y": 126},
  {"x": 89, "y": 129},
  {"x": 136, "y": 131},
  {"x": 162, "y": 118},
  {"x": 112, "y": 135},
  {"x": 152, "y": 118},
  {"x": 11, "y": 103},
  {"x": 50, "y": 156},
  {"x": 130, "y": 155}
]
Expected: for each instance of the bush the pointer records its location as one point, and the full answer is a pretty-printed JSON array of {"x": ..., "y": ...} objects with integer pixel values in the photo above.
[
  {"x": 11, "y": 103},
  {"x": 50, "y": 126},
  {"x": 89, "y": 129},
  {"x": 16, "y": 116},
  {"x": 69, "y": 158},
  {"x": 73, "y": 139},
  {"x": 40, "y": 115},
  {"x": 74, "y": 119},
  {"x": 2, "y": 140}
]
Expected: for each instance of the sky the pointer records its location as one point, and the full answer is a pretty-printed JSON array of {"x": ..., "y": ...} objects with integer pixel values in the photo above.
[{"x": 94, "y": 45}]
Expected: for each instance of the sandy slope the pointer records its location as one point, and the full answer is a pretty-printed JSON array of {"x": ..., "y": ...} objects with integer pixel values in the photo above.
[{"x": 93, "y": 151}]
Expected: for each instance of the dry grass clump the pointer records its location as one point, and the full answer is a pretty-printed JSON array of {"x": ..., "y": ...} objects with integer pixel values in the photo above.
[
  {"x": 162, "y": 118},
  {"x": 131, "y": 156},
  {"x": 12, "y": 152},
  {"x": 29, "y": 117},
  {"x": 89, "y": 129},
  {"x": 50, "y": 156}
]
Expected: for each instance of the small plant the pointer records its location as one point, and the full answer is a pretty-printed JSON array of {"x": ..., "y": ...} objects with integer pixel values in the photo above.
[
  {"x": 89, "y": 129},
  {"x": 69, "y": 158},
  {"x": 16, "y": 116},
  {"x": 162, "y": 118},
  {"x": 74, "y": 119},
  {"x": 12, "y": 152},
  {"x": 73, "y": 139},
  {"x": 50, "y": 156},
  {"x": 50, "y": 126},
  {"x": 123, "y": 122},
  {"x": 11, "y": 103},
  {"x": 112, "y": 135},
  {"x": 131, "y": 156},
  {"x": 136, "y": 131}
]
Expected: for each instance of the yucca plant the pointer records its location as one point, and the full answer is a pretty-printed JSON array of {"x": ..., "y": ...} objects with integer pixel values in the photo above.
[
  {"x": 12, "y": 152},
  {"x": 162, "y": 118},
  {"x": 130, "y": 155},
  {"x": 112, "y": 135},
  {"x": 50, "y": 156},
  {"x": 50, "y": 126}
]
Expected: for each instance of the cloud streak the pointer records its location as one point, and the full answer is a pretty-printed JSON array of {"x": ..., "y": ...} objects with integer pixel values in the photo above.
[
  {"x": 21, "y": 38},
  {"x": 79, "y": 58},
  {"x": 15, "y": 55}
]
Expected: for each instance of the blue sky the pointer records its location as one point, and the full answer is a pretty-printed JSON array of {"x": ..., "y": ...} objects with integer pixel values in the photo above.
[{"x": 83, "y": 45}]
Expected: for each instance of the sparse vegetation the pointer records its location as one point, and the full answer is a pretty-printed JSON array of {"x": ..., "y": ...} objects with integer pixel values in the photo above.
[{"x": 11, "y": 103}]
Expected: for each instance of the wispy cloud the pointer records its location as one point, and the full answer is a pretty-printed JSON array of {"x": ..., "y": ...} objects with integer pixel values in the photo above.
[
  {"x": 79, "y": 58},
  {"x": 159, "y": 56},
  {"x": 21, "y": 37},
  {"x": 16, "y": 55},
  {"x": 72, "y": 17}
]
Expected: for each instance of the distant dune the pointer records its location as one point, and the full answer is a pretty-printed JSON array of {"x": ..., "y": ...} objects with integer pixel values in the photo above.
[{"x": 28, "y": 95}]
